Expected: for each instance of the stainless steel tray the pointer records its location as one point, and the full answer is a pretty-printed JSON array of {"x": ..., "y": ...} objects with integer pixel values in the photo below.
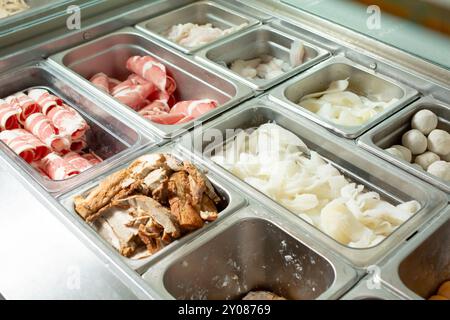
[
  {"x": 370, "y": 288},
  {"x": 357, "y": 164},
  {"x": 233, "y": 201},
  {"x": 416, "y": 271},
  {"x": 259, "y": 249},
  {"x": 200, "y": 12},
  {"x": 362, "y": 81},
  {"x": 108, "y": 54},
  {"x": 253, "y": 43},
  {"x": 389, "y": 132},
  {"x": 112, "y": 138}
]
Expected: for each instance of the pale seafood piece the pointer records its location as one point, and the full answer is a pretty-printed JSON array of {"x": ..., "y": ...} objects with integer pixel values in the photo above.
[
  {"x": 425, "y": 121},
  {"x": 273, "y": 160},
  {"x": 440, "y": 169},
  {"x": 439, "y": 142},
  {"x": 296, "y": 53},
  {"x": 415, "y": 141}
]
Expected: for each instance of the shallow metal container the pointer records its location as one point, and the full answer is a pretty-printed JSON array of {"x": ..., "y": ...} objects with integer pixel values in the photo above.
[
  {"x": 355, "y": 163},
  {"x": 200, "y": 12},
  {"x": 390, "y": 132},
  {"x": 418, "y": 269},
  {"x": 370, "y": 288},
  {"x": 111, "y": 137},
  {"x": 109, "y": 55},
  {"x": 231, "y": 202},
  {"x": 362, "y": 81},
  {"x": 253, "y": 249},
  {"x": 254, "y": 43}
]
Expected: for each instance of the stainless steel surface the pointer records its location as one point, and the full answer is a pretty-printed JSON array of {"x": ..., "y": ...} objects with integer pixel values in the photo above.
[
  {"x": 35, "y": 6},
  {"x": 390, "y": 132},
  {"x": 200, "y": 12},
  {"x": 42, "y": 259},
  {"x": 344, "y": 37},
  {"x": 232, "y": 201},
  {"x": 253, "y": 249},
  {"x": 356, "y": 164},
  {"x": 110, "y": 137},
  {"x": 418, "y": 269},
  {"x": 370, "y": 288},
  {"x": 242, "y": 6},
  {"x": 254, "y": 43},
  {"x": 362, "y": 81},
  {"x": 109, "y": 55}
]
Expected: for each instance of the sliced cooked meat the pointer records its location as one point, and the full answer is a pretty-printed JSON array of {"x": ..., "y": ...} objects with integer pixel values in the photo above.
[
  {"x": 144, "y": 205},
  {"x": 117, "y": 218},
  {"x": 208, "y": 209},
  {"x": 101, "y": 195},
  {"x": 173, "y": 163},
  {"x": 181, "y": 203},
  {"x": 262, "y": 295},
  {"x": 154, "y": 244},
  {"x": 199, "y": 184},
  {"x": 143, "y": 165}
]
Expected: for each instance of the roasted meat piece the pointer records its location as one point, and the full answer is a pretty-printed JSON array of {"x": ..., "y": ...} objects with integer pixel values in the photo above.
[{"x": 182, "y": 204}]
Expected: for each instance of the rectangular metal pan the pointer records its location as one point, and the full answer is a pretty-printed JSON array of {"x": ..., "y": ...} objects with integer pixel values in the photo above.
[
  {"x": 370, "y": 288},
  {"x": 112, "y": 138},
  {"x": 252, "y": 44},
  {"x": 362, "y": 80},
  {"x": 108, "y": 54},
  {"x": 200, "y": 12},
  {"x": 253, "y": 249},
  {"x": 355, "y": 163},
  {"x": 389, "y": 132},
  {"x": 418, "y": 269},
  {"x": 232, "y": 201}
]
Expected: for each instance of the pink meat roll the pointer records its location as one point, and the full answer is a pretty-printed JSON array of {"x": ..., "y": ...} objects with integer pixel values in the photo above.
[
  {"x": 42, "y": 128},
  {"x": 101, "y": 81},
  {"x": 92, "y": 158},
  {"x": 194, "y": 108},
  {"x": 8, "y": 116},
  {"x": 79, "y": 145},
  {"x": 77, "y": 161},
  {"x": 68, "y": 122},
  {"x": 46, "y": 100},
  {"x": 24, "y": 104},
  {"x": 163, "y": 96},
  {"x": 135, "y": 95},
  {"x": 157, "y": 105},
  {"x": 164, "y": 118},
  {"x": 149, "y": 69},
  {"x": 112, "y": 82},
  {"x": 57, "y": 168},
  {"x": 23, "y": 143},
  {"x": 171, "y": 85}
]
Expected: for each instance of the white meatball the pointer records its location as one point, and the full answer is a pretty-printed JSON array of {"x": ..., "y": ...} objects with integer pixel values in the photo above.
[
  {"x": 415, "y": 141},
  {"x": 425, "y": 121},
  {"x": 426, "y": 159},
  {"x": 440, "y": 169},
  {"x": 407, "y": 156},
  {"x": 439, "y": 142},
  {"x": 446, "y": 157},
  {"x": 395, "y": 152}
]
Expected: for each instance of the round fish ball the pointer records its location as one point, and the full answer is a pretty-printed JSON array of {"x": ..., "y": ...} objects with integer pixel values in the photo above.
[
  {"x": 426, "y": 159},
  {"x": 446, "y": 157},
  {"x": 440, "y": 169},
  {"x": 405, "y": 152},
  {"x": 439, "y": 142},
  {"x": 425, "y": 121},
  {"x": 415, "y": 141},
  {"x": 395, "y": 152},
  {"x": 444, "y": 289}
]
